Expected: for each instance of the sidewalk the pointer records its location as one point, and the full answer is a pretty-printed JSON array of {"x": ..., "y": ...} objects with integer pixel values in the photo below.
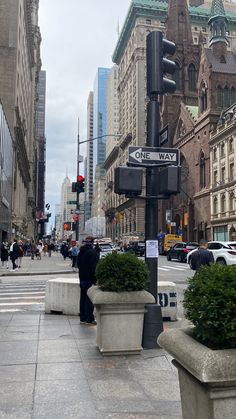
[
  {"x": 46, "y": 266},
  {"x": 50, "y": 368}
]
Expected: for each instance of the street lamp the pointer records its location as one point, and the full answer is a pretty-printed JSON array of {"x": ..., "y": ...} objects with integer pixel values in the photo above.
[{"x": 100, "y": 136}]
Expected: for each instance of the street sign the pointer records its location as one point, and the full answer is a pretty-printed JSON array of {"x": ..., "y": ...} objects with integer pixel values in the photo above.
[
  {"x": 163, "y": 135},
  {"x": 71, "y": 202},
  {"x": 73, "y": 211},
  {"x": 154, "y": 155}
]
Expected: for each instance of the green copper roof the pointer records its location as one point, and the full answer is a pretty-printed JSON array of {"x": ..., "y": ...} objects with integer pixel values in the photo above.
[
  {"x": 193, "y": 110},
  {"x": 217, "y": 8},
  {"x": 157, "y": 9}
]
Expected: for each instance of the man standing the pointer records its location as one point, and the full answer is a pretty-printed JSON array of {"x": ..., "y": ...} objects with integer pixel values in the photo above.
[
  {"x": 202, "y": 256},
  {"x": 86, "y": 262},
  {"x": 14, "y": 254}
]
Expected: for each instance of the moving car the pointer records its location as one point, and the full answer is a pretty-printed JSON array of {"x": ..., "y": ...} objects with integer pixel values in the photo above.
[
  {"x": 106, "y": 248},
  {"x": 180, "y": 250},
  {"x": 138, "y": 248},
  {"x": 224, "y": 252},
  {"x": 165, "y": 241}
]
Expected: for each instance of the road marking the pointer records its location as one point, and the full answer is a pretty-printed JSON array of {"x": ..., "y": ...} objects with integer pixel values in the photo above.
[
  {"x": 21, "y": 298},
  {"x": 5, "y": 294},
  {"x": 163, "y": 269},
  {"x": 174, "y": 268},
  {"x": 21, "y": 304}
]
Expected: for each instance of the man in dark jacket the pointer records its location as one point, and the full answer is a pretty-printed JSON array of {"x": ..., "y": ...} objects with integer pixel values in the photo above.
[
  {"x": 202, "y": 256},
  {"x": 86, "y": 262},
  {"x": 14, "y": 254}
]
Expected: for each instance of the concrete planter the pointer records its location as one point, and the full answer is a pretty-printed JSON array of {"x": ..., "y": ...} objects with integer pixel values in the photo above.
[
  {"x": 119, "y": 319},
  {"x": 207, "y": 378}
]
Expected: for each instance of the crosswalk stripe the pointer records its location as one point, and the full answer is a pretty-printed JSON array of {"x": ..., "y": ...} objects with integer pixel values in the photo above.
[
  {"x": 163, "y": 269},
  {"x": 5, "y": 294},
  {"x": 174, "y": 268},
  {"x": 21, "y": 304},
  {"x": 17, "y": 295}
]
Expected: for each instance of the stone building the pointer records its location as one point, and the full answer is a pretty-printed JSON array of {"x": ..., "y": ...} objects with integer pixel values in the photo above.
[
  {"x": 223, "y": 181},
  {"x": 192, "y": 210},
  {"x": 19, "y": 67},
  {"x": 188, "y": 27}
]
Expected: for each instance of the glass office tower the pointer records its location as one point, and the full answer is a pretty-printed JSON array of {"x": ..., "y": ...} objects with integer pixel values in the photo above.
[{"x": 99, "y": 118}]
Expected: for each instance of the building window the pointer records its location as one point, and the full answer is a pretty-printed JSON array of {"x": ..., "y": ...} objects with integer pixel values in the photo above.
[
  {"x": 219, "y": 96},
  {"x": 231, "y": 145},
  {"x": 214, "y": 153},
  {"x": 222, "y": 202},
  {"x": 177, "y": 77},
  {"x": 203, "y": 97},
  {"x": 215, "y": 178},
  {"x": 231, "y": 201},
  {"x": 192, "y": 76},
  {"x": 202, "y": 170},
  {"x": 222, "y": 149},
  {"x": 215, "y": 205},
  {"x": 231, "y": 171},
  {"x": 226, "y": 97},
  {"x": 223, "y": 174}
]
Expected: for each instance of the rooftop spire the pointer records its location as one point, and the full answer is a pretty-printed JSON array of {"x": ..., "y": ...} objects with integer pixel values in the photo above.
[
  {"x": 217, "y": 23},
  {"x": 178, "y": 27}
]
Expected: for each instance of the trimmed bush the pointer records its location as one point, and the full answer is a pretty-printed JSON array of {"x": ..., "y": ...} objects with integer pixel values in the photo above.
[
  {"x": 122, "y": 272},
  {"x": 210, "y": 304}
]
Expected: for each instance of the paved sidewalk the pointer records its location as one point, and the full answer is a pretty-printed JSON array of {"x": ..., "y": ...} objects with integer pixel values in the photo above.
[
  {"x": 50, "y": 368},
  {"x": 45, "y": 266}
]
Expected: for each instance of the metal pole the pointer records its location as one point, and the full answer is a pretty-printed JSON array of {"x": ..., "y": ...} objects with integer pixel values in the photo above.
[
  {"x": 153, "y": 324},
  {"x": 77, "y": 193}
]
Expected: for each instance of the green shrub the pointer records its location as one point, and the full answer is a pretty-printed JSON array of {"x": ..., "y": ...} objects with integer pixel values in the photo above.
[
  {"x": 210, "y": 304},
  {"x": 122, "y": 272}
]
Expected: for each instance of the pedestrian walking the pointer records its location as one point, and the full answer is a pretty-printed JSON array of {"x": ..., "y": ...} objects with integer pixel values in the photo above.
[
  {"x": 33, "y": 249},
  {"x": 202, "y": 256},
  {"x": 87, "y": 261},
  {"x": 45, "y": 249},
  {"x": 74, "y": 255},
  {"x": 14, "y": 254},
  {"x": 39, "y": 250},
  {"x": 64, "y": 250},
  {"x": 5, "y": 254},
  {"x": 21, "y": 254}
]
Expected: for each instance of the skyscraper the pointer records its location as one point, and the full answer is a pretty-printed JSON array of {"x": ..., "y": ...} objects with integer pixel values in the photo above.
[
  {"x": 100, "y": 118},
  {"x": 41, "y": 152}
]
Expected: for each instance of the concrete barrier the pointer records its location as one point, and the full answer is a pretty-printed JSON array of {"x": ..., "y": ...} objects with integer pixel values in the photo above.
[
  {"x": 62, "y": 295},
  {"x": 167, "y": 298}
]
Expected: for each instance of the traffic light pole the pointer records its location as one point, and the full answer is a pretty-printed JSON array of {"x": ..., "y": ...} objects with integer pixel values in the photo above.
[{"x": 77, "y": 192}]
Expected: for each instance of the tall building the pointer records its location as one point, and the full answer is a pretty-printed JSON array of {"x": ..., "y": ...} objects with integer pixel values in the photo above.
[
  {"x": 89, "y": 159},
  {"x": 41, "y": 152},
  {"x": 19, "y": 68},
  {"x": 68, "y": 203},
  {"x": 190, "y": 28},
  {"x": 113, "y": 121},
  {"x": 6, "y": 180},
  {"x": 100, "y": 118}
]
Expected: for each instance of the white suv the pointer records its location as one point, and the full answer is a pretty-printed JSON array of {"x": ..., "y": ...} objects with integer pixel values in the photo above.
[{"x": 223, "y": 252}]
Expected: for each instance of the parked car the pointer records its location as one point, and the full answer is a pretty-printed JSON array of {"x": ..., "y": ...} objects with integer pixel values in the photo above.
[
  {"x": 223, "y": 252},
  {"x": 137, "y": 247},
  {"x": 106, "y": 248},
  {"x": 180, "y": 250}
]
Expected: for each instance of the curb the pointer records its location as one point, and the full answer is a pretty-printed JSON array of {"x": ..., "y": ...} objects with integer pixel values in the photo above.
[{"x": 35, "y": 273}]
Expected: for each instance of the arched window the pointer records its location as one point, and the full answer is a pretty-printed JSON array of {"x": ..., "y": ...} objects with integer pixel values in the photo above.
[
  {"x": 231, "y": 201},
  {"x": 202, "y": 170},
  {"x": 226, "y": 97},
  {"x": 203, "y": 97},
  {"x": 192, "y": 76},
  {"x": 215, "y": 205},
  {"x": 222, "y": 202},
  {"x": 177, "y": 76},
  {"x": 219, "y": 96}
]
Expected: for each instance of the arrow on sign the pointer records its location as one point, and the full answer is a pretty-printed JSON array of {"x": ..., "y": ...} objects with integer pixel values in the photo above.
[{"x": 140, "y": 154}]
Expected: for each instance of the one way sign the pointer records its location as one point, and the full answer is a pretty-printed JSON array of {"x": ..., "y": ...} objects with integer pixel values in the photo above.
[{"x": 154, "y": 155}]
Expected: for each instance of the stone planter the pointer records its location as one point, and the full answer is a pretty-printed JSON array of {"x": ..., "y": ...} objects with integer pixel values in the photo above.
[
  {"x": 207, "y": 378},
  {"x": 119, "y": 319}
]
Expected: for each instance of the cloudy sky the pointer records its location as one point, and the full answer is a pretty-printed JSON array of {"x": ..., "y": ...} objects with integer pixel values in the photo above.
[{"x": 77, "y": 37}]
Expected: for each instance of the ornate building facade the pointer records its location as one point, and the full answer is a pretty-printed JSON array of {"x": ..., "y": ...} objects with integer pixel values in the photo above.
[{"x": 19, "y": 68}]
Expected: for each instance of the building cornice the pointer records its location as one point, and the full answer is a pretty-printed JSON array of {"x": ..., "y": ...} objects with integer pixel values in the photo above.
[{"x": 111, "y": 158}]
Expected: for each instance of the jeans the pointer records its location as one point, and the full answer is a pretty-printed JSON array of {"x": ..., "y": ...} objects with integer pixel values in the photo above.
[{"x": 86, "y": 306}]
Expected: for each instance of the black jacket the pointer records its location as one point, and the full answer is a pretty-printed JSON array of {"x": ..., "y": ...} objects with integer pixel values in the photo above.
[
  {"x": 87, "y": 261},
  {"x": 201, "y": 257}
]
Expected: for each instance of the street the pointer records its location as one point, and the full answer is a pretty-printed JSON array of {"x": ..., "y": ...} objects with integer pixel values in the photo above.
[{"x": 27, "y": 293}]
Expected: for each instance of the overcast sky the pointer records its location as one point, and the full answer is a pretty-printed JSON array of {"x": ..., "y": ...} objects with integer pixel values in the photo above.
[{"x": 77, "y": 38}]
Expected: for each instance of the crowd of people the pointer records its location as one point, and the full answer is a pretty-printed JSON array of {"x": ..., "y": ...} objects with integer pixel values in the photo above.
[{"x": 14, "y": 252}]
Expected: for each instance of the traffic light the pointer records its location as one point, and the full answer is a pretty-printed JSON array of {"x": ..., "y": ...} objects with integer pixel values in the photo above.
[
  {"x": 67, "y": 226},
  {"x": 158, "y": 65},
  {"x": 80, "y": 184}
]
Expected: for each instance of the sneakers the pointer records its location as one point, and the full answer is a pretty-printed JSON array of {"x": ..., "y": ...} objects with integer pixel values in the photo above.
[{"x": 93, "y": 323}]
